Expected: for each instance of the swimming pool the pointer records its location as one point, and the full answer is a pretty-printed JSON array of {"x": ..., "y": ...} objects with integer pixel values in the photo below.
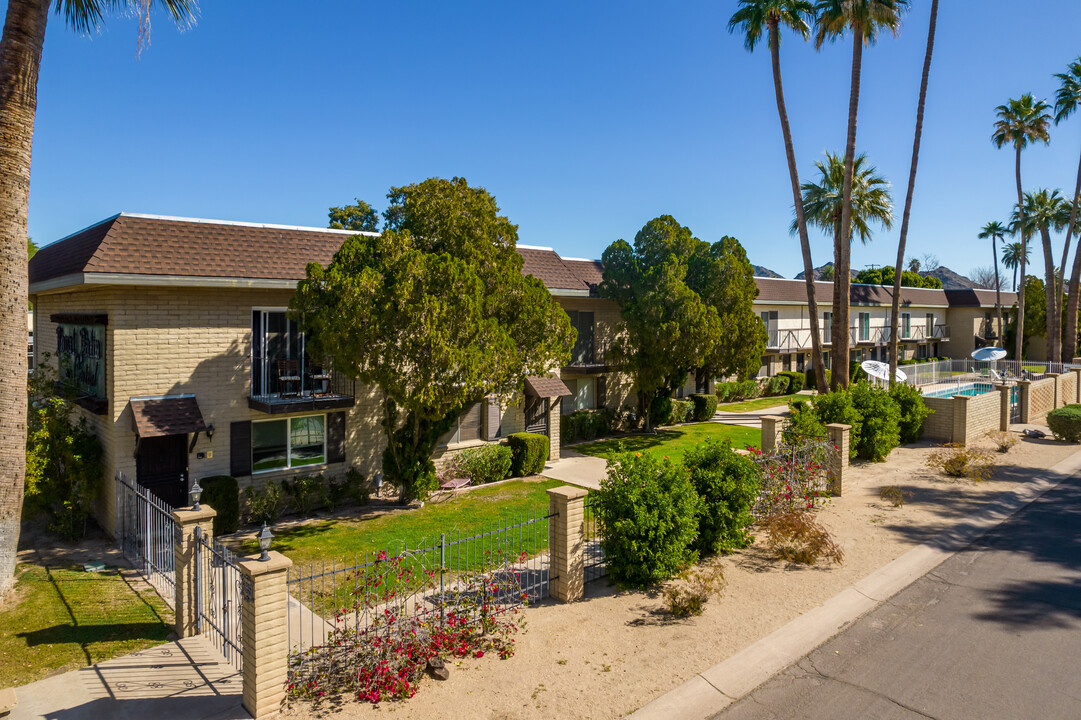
[{"x": 971, "y": 390}]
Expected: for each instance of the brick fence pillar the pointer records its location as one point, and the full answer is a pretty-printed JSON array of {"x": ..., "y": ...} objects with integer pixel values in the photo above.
[
  {"x": 1024, "y": 399},
  {"x": 960, "y": 418},
  {"x": 1004, "y": 407},
  {"x": 1076, "y": 385},
  {"x": 265, "y": 630},
  {"x": 771, "y": 432},
  {"x": 187, "y": 613},
  {"x": 566, "y": 542},
  {"x": 838, "y": 435},
  {"x": 1058, "y": 401}
]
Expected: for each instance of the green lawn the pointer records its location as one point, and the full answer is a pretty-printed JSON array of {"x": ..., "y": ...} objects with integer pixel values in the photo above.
[
  {"x": 760, "y": 403},
  {"x": 673, "y": 442},
  {"x": 60, "y": 619},
  {"x": 466, "y": 513}
]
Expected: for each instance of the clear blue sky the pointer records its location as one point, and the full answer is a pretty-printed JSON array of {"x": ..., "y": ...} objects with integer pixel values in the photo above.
[{"x": 584, "y": 119}]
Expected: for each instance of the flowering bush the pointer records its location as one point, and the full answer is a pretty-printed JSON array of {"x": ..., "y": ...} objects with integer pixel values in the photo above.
[
  {"x": 395, "y": 623},
  {"x": 796, "y": 477}
]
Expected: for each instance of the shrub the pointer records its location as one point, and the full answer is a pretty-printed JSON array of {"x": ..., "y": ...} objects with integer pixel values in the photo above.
[
  {"x": 648, "y": 511},
  {"x": 1003, "y": 440},
  {"x": 796, "y": 380},
  {"x": 749, "y": 390},
  {"x": 812, "y": 380},
  {"x": 837, "y": 407},
  {"x": 1065, "y": 423},
  {"x": 881, "y": 417},
  {"x": 528, "y": 453},
  {"x": 795, "y": 478},
  {"x": 724, "y": 391},
  {"x": 913, "y": 409},
  {"x": 893, "y": 494},
  {"x": 705, "y": 407},
  {"x": 777, "y": 385},
  {"x": 727, "y": 484},
  {"x": 856, "y": 373},
  {"x": 682, "y": 410},
  {"x": 797, "y": 537},
  {"x": 688, "y": 593},
  {"x": 349, "y": 487},
  {"x": 802, "y": 423},
  {"x": 305, "y": 492},
  {"x": 587, "y": 424},
  {"x": 484, "y": 464},
  {"x": 661, "y": 410},
  {"x": 264, "y": 506},
  {"x": 956, "y": 460},
  {"x": 222, "y": 493}
]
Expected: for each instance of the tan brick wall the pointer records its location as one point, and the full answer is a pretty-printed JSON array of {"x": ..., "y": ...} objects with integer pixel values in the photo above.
[
  {"x": 938, "y": 426},
  {"x": 982, "y": 415},
  {"x": 1041, "y": 398}
]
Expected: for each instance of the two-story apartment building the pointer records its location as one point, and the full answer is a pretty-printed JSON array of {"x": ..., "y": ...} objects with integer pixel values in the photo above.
[{"x": 933, "y": 323}]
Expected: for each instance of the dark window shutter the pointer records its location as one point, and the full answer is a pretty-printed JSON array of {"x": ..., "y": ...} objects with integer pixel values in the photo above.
[
  {"x": 494, "y": 415},
  {"x": 470, "y": 423},
  {"x": 336, "y": 437},
  {"x": 240, "y": 448},
  {"x": 602, "y": 392}
]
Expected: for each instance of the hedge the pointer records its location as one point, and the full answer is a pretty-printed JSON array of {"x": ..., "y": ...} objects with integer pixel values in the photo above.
[
  {"x": 660, "y": 410},
  {"x": 682, "y": 411},
  {"x": 705, "y": 407},
  {"x": 222, "y": 492},
  {"x": 529, "y": 452},
  {"x": 1065, "y": 423}
]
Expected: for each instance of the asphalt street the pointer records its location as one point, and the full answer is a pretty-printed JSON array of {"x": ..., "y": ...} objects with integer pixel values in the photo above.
[{"x": 994, "y": 632}]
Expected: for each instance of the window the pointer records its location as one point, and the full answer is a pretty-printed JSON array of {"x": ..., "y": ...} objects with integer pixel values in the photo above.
[
  {"x": 827, "y": 327},
  {"x": 288, "y": 443},
  {"x": 274, "y": 338},
  {"x": 582, "y": 354},
  {"x": 930, "y": 328},
  {"x": 865, "y": 326},
  {"x": 906, "y": 325}
]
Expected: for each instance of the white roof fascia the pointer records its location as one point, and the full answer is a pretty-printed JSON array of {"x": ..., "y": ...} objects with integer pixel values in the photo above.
[{"x": 237, "y": 223}]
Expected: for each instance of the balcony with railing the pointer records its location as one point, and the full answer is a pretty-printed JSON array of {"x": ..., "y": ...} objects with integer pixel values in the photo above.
[
  {"x": 282, "y": 385},
  {"x": 584, "y": 356}
]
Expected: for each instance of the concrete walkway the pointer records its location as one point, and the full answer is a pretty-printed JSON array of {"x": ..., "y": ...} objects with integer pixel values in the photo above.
[
  {"x": 576, "y": 469},
  {"x": 749, "y": 419},
  {"x": 715, "y": 688},
  {"x": 187, "y": 680}
]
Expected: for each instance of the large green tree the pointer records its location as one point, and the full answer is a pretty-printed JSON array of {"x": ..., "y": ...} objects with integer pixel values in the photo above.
[
  {"x": 753, "y": 18},
  {"x": 996, "y": 232},
  {"x": 1043, "y": 211},
  {"x": 1019, "y": 123},
  {"x": 886, "y": 276},
  {"x": 359, "y": 216},
  {"x": 435, "y": 312},
  {"x": 20, "y": 63},
  {"x": 902, "y": 240},
  {"x": 1067, "y": 100},
  {"x": 864, "y": 20},
  {"x": 675, "y": 294}
]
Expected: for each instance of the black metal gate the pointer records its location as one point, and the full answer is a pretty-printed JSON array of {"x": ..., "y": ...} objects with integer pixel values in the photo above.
[{"x": 218, "y": 593}]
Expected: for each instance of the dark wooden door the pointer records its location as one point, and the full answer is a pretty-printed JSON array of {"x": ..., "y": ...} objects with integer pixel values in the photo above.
[{"x": 162, "y": 468}]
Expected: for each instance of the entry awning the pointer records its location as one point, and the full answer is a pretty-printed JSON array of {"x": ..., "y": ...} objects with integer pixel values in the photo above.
[
  {"x": 546, "y": 387},
  {"x": 166, "y": 415}
]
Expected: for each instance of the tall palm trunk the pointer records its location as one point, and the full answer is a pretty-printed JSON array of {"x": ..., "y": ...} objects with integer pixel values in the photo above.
[
  {"x": 1019, "y": 344},
  {"x": 895, "y": 312},
  {"x": 1015, "y": 278},
  {"x": 842, "y": 278},
  {"x": 1069, "y": 348},
  {"x": 20, "y": 61},
  {"x": 998, "y": 283},
  {"x": 797, "y": 197},
  {"x": 1051, "y": 293}
]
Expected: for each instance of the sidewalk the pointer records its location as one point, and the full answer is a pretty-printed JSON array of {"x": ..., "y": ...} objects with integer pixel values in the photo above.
[
  {"x": 577, "y": 469},
  {"x": 186, "y": 679},
  {"x": 717, "y": 687}
]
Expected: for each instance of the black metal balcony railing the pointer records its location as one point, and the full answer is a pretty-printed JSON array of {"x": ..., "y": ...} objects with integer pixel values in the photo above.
[
  {"x": 317, "y": 389},
  {"x": 800, "y": 338}
]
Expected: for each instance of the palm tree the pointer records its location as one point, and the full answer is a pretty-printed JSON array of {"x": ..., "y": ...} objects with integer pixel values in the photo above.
[
  {"x": 752, "y": 17},
  {"x": 914, "y": 265},
  {"x": 1011, "y": 258},
  {"x": 895, "y": 312},
  {"x": 1043, "y": 211},
  {"x": 1067, "y": 100},
  {"x": 20, "y": 62},
  {"x": 1019, "y": 123},
  {"x": 864, "y": 18},
  {"x": 996, "y": 231}
]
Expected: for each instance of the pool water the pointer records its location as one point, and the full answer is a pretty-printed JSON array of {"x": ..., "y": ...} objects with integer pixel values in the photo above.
[{"x": 971, "y": 390}]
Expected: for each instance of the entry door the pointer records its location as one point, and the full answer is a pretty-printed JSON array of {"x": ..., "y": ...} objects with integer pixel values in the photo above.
[
  {"x": 162, "y": 468},
  {"x": 536, "y": 415}
]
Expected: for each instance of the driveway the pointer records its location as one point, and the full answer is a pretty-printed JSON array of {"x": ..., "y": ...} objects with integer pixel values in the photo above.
[{"x": 993, "y": 632}]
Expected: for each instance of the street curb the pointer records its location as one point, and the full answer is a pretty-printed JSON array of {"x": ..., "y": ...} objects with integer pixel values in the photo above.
[{"x": 712, "y": 690}]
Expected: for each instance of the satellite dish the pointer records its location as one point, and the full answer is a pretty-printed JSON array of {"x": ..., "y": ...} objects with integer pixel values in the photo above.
[
  {"x": 988, "y": 354},
  {"x": 881, "y": 371}
]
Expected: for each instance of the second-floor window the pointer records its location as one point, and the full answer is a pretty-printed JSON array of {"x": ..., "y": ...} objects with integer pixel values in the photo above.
[
  {"x": 827, "y": 327},
  {"x": 583, "y": 347},
  {"x": 276, "y": 344},
  {"x": 930, "y": 327},
  {"x": 865, "y": 326},
  {"x": 906, "y": 325}
]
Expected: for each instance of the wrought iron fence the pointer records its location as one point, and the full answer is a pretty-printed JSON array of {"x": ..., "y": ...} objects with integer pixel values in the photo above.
[
  {"x": 146, "y": 534},
  {"x": 797, "y": 472},
  {"x": 396, "y": 589},
  {"x": 219, "y": 590},
  {"x": 595, "y": 567},
  {"x": 952, "y": 372}
]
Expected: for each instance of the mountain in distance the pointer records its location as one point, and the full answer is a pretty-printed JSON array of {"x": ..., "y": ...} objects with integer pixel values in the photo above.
[
  {"x": 820, "y": 268},
  {"x": 950, "y": 279},
  {"x": 760, "y": 271}
]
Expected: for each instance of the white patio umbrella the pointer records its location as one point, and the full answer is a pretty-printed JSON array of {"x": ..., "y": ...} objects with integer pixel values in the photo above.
[
  {"x": 988, "y": 354},
  {"x": 880, "y": 370}
]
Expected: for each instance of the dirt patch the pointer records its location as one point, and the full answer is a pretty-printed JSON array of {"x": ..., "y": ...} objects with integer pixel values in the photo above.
[{"x": 615, "y": 651}]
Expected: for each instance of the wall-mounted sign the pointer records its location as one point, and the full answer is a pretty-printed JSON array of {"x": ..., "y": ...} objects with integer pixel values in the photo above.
[{"x": 80, "y": 350}]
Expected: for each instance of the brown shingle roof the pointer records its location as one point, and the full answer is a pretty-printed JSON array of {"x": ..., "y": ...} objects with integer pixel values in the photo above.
[
  {"x": 786, "y": 291},
  {"x": 971, "y": 297},
  {"x": 588, "y": 271},
  {"x": 546, "y": 387},
  {"x": 546, "y": 265},
  {"x": 145, "y": 245},
  {"x": 177, "y": 415}
]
